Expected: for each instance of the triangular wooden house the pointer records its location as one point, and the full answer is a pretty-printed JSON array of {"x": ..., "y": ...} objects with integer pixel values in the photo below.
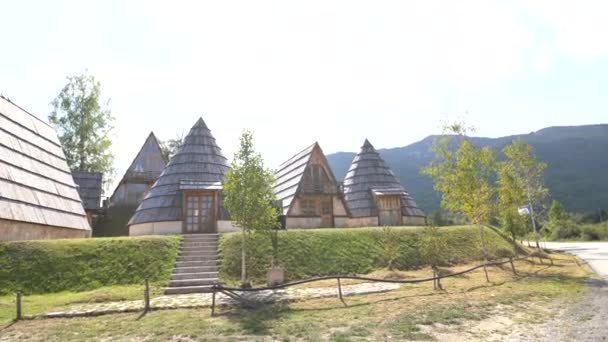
[
  {"x": 186, "y": 198},
  {"x": 374, "y": 196},
  {"x": 308, "y": 193},
  {"x": 141, "y": 174},
  {"x": 38, "y": 197}
]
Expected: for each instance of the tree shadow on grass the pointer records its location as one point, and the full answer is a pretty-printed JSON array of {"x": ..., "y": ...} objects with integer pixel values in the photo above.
[
  {"x": 10, "y": 324},
  {"x": 258, "y": 320}
]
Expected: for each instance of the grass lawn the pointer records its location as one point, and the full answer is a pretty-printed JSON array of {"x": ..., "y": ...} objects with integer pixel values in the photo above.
[
  {"x": 36, "y": 304},
  {"x": 411, "y": 312}
]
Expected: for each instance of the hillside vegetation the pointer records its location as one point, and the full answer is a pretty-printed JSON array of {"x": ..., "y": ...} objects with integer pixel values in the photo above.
[
  {"x": 317, "y": 252},
  {"x": 576, "y": 157},
  {"x": 84, "y": 264}
]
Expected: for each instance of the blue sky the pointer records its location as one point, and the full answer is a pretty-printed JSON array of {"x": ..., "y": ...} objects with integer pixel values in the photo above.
[{"x": 296, "y": 72}]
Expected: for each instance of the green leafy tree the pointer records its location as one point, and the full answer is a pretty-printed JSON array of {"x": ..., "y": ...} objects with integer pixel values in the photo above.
[
  {"x": 510, "y": 197},
  {"x": 169, "y": 147},
  {"x": 527, "y": 174},
  {"x": 464, "y": 178},
  {"x": 84, "y": 123},
  {"x": 249, "y": 196}
]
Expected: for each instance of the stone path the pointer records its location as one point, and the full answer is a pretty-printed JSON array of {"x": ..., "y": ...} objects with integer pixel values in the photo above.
[{"x": 199, "y": 300}]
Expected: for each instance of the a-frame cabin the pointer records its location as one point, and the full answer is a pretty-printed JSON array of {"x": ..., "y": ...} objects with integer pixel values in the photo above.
[
  {"x": 186, "y": 198},
  {"x": 308, "y": 192},
  {"x": 374, "y": 195},
  {"x": 141, "y": 174}
]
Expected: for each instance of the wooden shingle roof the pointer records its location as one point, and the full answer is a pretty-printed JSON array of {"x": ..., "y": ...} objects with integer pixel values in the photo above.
[
  {"x": 147, "y": 164},
  {"x": 289, "y": 176},
  {"x": 199, "y": 159},
  {"x": 369, "y": 174},
  {"x": 89, "y": 188},
  {"x": 36, "y": 185}
]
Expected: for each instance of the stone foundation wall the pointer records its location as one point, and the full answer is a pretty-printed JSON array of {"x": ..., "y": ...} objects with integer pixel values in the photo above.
[
  {"x": 303, "y": 222},
  {"x": 414, "y": 221},
  {"x": 156, "y": 228},
  {"x": 15, "y": 230}
]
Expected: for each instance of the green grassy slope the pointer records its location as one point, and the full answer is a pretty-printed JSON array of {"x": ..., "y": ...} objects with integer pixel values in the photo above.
[
  {"x": 84, "y": 264},
  {"x": 317, "y": 252}
]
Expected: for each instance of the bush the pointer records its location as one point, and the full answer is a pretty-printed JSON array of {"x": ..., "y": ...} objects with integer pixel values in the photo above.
[
  {"x": 84, "y": 264},
  {"x": 566, "y": 230},
  {"x": 318, "y": 252},
  {"x": 594, "y": 232}
]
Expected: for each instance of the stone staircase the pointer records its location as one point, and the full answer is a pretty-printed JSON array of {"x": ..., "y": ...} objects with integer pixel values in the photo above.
[{"x": 196, "y": 266}]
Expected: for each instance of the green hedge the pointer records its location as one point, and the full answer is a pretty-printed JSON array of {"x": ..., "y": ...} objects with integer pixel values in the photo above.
[
  {"x": 318, "y": 252},
  {"x": 84, "y": 264}
]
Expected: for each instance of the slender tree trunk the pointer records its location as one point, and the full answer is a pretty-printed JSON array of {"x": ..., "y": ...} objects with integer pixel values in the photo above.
[
  {"x": 532, "y": 218},
  {"x": 485, "y": 251},
  {"x": 243, "y": 257}
]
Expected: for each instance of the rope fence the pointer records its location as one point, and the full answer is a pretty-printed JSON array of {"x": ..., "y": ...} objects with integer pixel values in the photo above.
[{"x": 233, "y": 292}]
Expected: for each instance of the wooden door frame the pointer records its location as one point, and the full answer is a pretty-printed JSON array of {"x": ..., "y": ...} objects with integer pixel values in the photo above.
[{"x": 215, "y": 210}]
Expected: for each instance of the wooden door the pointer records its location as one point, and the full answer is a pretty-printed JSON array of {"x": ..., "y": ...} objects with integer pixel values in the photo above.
[
  {"x": 389, "y": 211},
  {"x": 199, "y": 213},
  {"x": 327, "y": 212}
]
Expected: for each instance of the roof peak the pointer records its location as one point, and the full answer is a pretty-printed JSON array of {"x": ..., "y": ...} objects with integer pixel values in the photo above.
[
  {"x": 367, "y": 144},
  {"x": 200, "y": 123}
]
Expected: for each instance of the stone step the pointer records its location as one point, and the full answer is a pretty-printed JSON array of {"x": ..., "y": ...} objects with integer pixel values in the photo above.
[
  {"x": 202, "y": 257},
  {"x": 193, "y": 269},
  {"x": 200, "y": 234},
  {"x": 200, "y": 239},
  {"x": 201, "y": 252},
  {"x": 188, "y": 289},
  {"x": 210, "y": 273},
  {"x": 193, "y": 282},
  {"x": 190, "y": 245},
  {"x": 198, "y": 244},
  {"x": 207, "y": 262}
]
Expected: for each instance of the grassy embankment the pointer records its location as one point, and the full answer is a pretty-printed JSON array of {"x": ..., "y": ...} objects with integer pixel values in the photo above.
[
  {"x": 55, "y": 273},
  {"x": 411, "y": 312},
  {"x": 317, "y": 252}
]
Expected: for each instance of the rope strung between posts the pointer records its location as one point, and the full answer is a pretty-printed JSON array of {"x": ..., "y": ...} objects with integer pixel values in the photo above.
[{"x": 408, "y": 281}]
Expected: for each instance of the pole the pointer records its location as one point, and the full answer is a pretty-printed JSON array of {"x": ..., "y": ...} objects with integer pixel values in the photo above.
[
  {"x": 147, "y": 297},
  {"x": 340, "y": 289},
  {"x": 213, "y": 302},
  {"x": 19, "y": 312},
  {"x": 512, "y": 266}
]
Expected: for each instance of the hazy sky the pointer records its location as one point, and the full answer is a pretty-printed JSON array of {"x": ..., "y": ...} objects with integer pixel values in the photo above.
[{"x": 296, "y": 72}]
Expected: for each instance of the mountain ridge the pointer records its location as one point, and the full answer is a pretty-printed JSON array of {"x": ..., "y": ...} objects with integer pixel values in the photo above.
[{"x": 577, "y": 158}]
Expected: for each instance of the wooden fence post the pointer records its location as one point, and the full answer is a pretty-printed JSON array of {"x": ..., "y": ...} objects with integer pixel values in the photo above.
[
  {"x": 512, "y": 266},
  {"x": 340, "y": 289},
  {"x": 147, "y": 297},
  {"x": 19, "y": 311},
  {"x": 213, "y": 302}
]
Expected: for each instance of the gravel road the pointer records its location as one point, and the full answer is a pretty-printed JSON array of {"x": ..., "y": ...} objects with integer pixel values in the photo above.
[{"x": 587, "y": 320}]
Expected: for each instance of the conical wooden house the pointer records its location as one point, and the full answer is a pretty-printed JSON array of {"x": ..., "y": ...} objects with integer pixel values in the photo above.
[
  {"x": 186, "y": 198},
  {"x": 38, "y": 197},
  {"x": 141, "y": 174},
  {"x": 308, "y": 193},
  {"x": 374, "y": 196}
]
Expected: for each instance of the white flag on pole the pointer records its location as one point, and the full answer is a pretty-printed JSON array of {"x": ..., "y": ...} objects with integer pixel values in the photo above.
[{"x": 524, "y": 210}]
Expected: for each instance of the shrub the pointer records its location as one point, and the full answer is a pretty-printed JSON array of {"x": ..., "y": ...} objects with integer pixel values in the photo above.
[
  {"x": 317, "y": 252},
  {"x": 594, "y": 232},
  {"x": 566, "y": 230},
  {"x": 84, "y": 264}
]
